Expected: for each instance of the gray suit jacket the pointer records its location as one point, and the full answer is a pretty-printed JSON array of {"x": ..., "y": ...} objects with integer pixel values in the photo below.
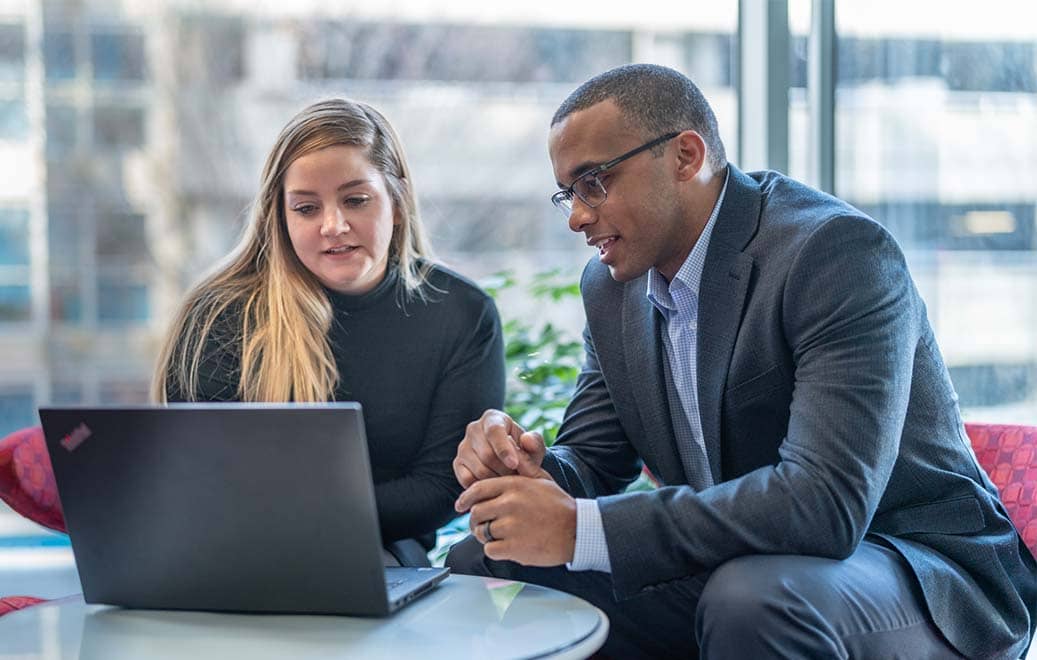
[{"x": 827, "y": 413}]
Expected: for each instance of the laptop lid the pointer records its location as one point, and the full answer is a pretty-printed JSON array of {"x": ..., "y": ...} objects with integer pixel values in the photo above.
[{"x": 227, "y": 507}]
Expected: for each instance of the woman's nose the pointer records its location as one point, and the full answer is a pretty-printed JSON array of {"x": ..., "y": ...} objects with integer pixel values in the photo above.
[{"x": 334, "y": 223}]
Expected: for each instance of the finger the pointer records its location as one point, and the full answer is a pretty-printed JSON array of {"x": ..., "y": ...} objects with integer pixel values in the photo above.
[
  {"x": 486, "y": 531},
  {"x": 502, "y": 433},
  {"x": 498, "y": 528},
  {"x": 483, "y": 511},
  {"x": 498, "y": 550},
  {"x": 473, "y": 527},
  {"x": 489, "y": 462},
  {"x": 532, "y": 442},
  {"x": 502, "y": 547},
  {"x": 478, "y": 453},
  {"x": 471, "y": 460},
  {"x": 465, "y": 477},
  {"x": 481, "y": 491},
  {"x": 532, "y": 451}
]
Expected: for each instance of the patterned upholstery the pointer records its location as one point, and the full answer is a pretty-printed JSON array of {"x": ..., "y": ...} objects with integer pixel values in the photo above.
[
  {"x": 12, "y": 603},
  {"x": 27, "y": 480},
  {"x": 27, "y": 486},
  {"x": 1009, "y": 455}
]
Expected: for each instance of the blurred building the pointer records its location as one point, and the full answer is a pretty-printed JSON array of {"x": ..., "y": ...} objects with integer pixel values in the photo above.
[{"x": 132, "y": 135}]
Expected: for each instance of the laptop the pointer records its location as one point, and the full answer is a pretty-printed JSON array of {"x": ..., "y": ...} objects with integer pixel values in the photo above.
[{"x": 226, "y": 507}]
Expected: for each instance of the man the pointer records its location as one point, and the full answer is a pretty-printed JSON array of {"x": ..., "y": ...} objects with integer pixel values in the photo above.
[{"x": 762, "y": 348}]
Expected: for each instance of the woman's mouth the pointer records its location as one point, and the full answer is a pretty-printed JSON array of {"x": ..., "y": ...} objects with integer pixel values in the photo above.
[{"x": 340, "y": 250}]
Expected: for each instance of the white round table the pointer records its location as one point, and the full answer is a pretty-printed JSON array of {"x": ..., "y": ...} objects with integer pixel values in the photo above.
[{"x": 464, "y": 617}]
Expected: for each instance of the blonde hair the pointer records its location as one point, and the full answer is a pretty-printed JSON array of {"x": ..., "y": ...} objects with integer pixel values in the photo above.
[{"x": 283, "y": 311}]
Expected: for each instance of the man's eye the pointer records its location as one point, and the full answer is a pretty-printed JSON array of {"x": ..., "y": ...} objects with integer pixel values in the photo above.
[{"x": 586, "y": 185}]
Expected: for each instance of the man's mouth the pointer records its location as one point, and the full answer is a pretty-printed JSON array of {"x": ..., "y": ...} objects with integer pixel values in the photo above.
[{"x": 603, "y": 243}]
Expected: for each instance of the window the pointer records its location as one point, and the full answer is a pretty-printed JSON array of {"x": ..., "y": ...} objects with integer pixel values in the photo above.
[
  {"x": 121, "y": 237},
  {"x": 117, "y": 127},
  {"x": 66, "y": 298},
  {"x": 61, "y": 131},
  {"x": 15, "y": 303},
  {"x": 462, "y": 223},
  {"x": 124, "y": 391},
  {"x": 162, "y": 113},
  {"x": 14, "y": 123},
  {"x": 12, "y": 52},
  {"x": 936, "y": 139},
  {"x": 120, "y": 299},
  {"x": 66, "y": 393},
  {"x": 211, "y": 50},
  {"x": 14, "y": 237},
  {"x": 117, "y": 56},
  {"x": 59, "y": 55},
  {"x": 709, "y": 58},
  {"x": 471, "y": 53},
  {"x": 15, "y": 300},
  {"x": 17, "y": 408},
  {"x": 69, "y": 236}
]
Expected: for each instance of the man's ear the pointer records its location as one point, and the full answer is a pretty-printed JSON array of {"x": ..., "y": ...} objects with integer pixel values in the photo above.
[{"x": 691, "y": 155}]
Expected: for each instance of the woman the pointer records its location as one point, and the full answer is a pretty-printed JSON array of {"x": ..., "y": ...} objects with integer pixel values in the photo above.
[{"x": 332, "y": 295}]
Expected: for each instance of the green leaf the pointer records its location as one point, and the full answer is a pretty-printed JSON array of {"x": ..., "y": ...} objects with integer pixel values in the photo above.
[{"x": 543, "y": 360}]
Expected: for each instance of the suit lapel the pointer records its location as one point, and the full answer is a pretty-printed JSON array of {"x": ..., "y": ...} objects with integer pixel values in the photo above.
[
  {"x": 722, "y": 294},
  {"x": 641, "y": 328}
]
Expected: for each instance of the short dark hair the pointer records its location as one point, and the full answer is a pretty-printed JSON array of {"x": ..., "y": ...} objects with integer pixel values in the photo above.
[{"x": 654, "y": 99}]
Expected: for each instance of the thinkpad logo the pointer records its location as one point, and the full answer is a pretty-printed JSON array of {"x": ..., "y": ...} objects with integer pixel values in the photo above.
[{"x": 77, "y": 437}]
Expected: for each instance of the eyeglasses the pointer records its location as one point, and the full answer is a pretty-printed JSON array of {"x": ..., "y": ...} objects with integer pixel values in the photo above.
[{"x": 588, "y": 186}]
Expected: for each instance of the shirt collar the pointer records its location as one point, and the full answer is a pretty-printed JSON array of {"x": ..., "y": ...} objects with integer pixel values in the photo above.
[{"x": 689, "y": 275}]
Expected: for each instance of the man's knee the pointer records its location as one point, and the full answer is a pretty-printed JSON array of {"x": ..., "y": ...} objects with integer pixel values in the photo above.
[
  {"x": 736, "y": 593},
  {"x": 757, "y": 599}
]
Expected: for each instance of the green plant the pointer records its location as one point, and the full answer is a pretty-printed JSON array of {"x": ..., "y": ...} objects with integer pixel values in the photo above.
[{"x": 543, "y": 361}]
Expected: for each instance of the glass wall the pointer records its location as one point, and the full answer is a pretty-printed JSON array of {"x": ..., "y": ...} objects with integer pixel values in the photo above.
[
  {"x": 134, "y": 133},
  {"x": 936, "y": 137}
]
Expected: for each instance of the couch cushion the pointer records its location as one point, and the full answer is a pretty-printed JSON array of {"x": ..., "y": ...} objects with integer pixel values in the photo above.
[{"x": 27, "y": 480}]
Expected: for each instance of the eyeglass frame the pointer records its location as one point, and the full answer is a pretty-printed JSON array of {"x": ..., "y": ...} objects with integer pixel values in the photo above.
[{"x": 563, "y": 199}]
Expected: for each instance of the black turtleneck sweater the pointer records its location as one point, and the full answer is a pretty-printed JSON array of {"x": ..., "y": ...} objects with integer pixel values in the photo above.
[{"x": 421, "y": 370}]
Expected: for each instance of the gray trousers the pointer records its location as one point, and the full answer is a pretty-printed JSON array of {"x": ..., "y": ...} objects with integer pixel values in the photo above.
[
  {"x": 760, "y": 606},
  {"x": 405, "y": 552}
]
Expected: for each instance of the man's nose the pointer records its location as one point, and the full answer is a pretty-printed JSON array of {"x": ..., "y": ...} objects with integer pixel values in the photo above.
[{"x": 581, "y": 215}]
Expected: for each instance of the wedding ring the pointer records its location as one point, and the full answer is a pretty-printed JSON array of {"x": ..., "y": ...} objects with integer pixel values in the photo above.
[{"x": 486, "y": 531}]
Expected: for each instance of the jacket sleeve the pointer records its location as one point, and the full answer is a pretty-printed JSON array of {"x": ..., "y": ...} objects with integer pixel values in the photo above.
[{"x": 592, "y": 455}]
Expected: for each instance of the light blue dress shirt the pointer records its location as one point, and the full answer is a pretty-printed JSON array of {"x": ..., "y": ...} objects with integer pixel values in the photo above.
[{"x": 678, "y": 302}]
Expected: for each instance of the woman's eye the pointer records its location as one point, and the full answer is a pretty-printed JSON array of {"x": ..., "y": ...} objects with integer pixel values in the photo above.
[
  {"x": 305, "y": 209},
  {"x": 356, "y": 202}
]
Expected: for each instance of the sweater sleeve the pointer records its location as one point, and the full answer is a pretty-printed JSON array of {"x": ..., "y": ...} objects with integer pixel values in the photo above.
[{"x": 472, "y": 381}]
